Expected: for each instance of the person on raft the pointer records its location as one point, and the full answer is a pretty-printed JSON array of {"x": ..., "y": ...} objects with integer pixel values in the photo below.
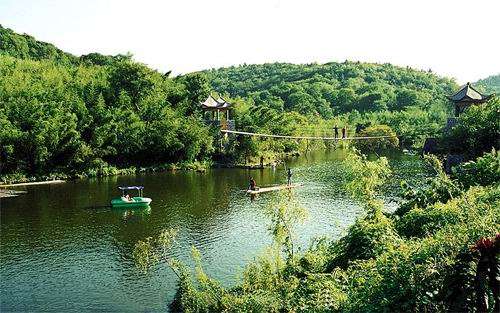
[
  {"x": 253, "y": 185},
  {"x": 289, "y": 176}
]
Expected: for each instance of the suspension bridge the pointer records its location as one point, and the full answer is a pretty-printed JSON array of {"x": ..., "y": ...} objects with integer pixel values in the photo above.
[{"x": 226, "y": 131}]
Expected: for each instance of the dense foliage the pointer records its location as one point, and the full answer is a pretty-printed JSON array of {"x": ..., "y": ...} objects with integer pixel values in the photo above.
[
  {"x": 483, "y": 171},
  {"x": 59, "y": 118},
  {"x": 96, "y": 114},
  {"x": 490, "y": 84},
  {"x": 432, "y": 257},
  {"x": 477, "y": 130},
  {"x": 28, "y": 48},
  {"x": 380, "y": 137},
  {"x": 413, "y": 103},
  {"x": 333, "y": 88}
]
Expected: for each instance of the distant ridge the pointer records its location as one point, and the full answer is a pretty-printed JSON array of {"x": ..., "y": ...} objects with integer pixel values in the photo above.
[
  {"x": 489, "y": 84},
  {"x": 28, "y": 48}
]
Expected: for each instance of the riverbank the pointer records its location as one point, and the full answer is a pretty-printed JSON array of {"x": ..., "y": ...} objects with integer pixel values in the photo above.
[
  {"x": 8, "y": 193},
  {"x": 19, "y": 179},
  {"x": 258, "y": 162},
  {"x": 56, "y": 181}
]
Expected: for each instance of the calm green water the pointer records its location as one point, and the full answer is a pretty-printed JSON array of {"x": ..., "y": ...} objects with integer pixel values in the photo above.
[{"x": 62, "y": 252}]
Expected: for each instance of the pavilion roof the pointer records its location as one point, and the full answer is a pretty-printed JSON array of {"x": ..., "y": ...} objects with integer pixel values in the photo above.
[
  {"x": 215, "y": 104},
  {"x": 467, "y": 93}
]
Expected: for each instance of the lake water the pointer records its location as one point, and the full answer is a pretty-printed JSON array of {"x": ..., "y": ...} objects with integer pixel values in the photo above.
[{"x": 62, "y": 250}]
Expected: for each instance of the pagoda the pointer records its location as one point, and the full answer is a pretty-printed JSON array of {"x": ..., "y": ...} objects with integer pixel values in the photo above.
[
  {"x": 467, "y": 96},
  {"x": 215, "y": 107}
]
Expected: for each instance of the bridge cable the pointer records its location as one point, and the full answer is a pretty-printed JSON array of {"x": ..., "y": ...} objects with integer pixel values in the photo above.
[{"x": 301, "y": 137}]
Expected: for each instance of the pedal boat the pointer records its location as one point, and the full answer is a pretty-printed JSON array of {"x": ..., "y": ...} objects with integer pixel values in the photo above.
[{"x": 131, "y": 202}]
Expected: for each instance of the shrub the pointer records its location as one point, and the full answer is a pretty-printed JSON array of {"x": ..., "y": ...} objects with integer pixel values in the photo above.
[
  {"x": 477, "y": 130},
  {"x": 426, "y": 221},
  {"x": 377, "y": 144},
  {"x": 483, "y": 171},
  {"x": 367, "y": 238},
  {"x": 426, "y": 274},
  {"x": 439, "y": 188}
]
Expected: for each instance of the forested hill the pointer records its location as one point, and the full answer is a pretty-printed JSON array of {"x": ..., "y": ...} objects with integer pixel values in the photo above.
[
  {"x": 333, "y": 88},
  {"x": 490, "y": 84},
  {"x": 28, "y": 48},
  {"x": 60, "y": 113}
]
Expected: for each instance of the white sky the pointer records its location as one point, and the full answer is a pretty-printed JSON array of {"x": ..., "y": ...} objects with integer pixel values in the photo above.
[{"x": 454, "y": 38}]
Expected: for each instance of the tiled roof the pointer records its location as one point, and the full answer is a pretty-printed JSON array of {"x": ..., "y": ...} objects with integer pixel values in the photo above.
[
  {"x": 212, "y": 103},
  {"x": 467, "y": 93}
]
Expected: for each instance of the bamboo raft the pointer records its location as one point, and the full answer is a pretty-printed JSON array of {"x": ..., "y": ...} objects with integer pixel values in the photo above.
[
  {"x": 272, "y": 188},
  {"x": 7, "y": 193}
]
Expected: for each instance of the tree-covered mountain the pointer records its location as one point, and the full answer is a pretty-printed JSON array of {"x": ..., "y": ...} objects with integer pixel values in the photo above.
[
  {"x": 68, "y": 114},
  {"x": 412, "y": 102},
  {"x": 28, "y": 48},
  {"x": 333, "y": 88},
  {"x": 490, "y": 84}
]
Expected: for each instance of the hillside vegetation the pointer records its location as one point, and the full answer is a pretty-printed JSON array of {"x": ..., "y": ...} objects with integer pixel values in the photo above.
[
  {"x": 95, "y": 114},
  {"x": 490, "y": 84},
  {"x": 437, "y": 253},
  {"x": 28, "y": 48},
  {"x": 333, "y": 88},
  {"x": 412, "y": 102}
]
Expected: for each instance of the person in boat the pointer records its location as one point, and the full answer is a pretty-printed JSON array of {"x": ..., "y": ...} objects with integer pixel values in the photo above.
[
  {"x": 128, "y": 198},
  {"x": 253, "y": 184},
  {"x": 289, "y": 176}
]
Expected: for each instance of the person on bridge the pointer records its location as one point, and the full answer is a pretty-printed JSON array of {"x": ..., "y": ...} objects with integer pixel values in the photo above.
[
  {"x": 344, "y": 131},
  {"x": 289, "y": 176},
  {"x": 336, "y": 131}
]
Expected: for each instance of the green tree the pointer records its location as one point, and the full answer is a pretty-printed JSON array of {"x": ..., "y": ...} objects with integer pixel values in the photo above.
[
  {"x": 384, "y": 138},
  {"x": 477, "y": 130}
]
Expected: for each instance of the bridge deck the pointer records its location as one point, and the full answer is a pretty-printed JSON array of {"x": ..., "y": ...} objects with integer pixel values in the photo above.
[{"x": 301, "y": 137}]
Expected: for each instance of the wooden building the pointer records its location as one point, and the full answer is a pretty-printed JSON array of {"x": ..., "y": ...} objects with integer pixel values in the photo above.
[
  {"x": 467, "y": 96},
  {"x": 218, "y": 111}
]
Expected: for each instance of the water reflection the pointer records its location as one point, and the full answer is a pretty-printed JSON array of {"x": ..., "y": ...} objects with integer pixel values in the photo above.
[{"x": 130, "y": 214}]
